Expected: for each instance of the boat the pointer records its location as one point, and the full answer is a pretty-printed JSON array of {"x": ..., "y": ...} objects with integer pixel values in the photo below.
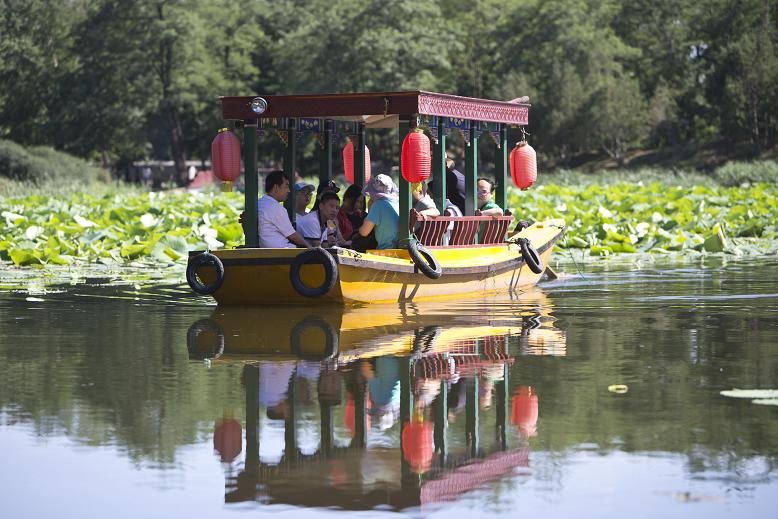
[{"x": 437, "y": 257}]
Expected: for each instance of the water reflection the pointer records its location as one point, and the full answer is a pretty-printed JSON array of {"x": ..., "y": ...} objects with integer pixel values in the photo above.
[
  {"x": 153, "y": 390},
  {"x": 365, "y": 408}
]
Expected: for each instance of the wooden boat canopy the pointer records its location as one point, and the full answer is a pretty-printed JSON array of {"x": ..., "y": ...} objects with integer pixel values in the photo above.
[{"x": 378, "y": 109}]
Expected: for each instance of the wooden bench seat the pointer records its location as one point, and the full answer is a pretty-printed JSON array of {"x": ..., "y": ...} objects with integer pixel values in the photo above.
[{"x": 429, "y": 230}]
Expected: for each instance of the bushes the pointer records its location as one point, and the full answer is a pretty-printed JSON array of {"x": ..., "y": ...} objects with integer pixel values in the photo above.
[
  {"x": 40, "y": 163},
  {"x": 737, "y": 173}
]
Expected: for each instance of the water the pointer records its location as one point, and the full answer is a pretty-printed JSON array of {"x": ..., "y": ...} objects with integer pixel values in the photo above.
[{"x": 113, "y": 398}]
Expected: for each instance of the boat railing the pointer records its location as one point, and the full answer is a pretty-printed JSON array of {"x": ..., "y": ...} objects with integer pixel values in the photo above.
[{"x": 462, "y": 230}]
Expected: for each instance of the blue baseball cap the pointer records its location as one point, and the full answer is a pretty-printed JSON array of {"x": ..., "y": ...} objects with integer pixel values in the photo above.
[{"x": 302, "y": 185}]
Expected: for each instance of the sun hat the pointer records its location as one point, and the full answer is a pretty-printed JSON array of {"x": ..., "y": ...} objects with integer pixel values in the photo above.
[{"x": 381, "y": 187}]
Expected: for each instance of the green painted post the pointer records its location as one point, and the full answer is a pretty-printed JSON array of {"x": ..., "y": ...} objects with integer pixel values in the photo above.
[
  {"x": 471, "y": 172},
  {"x": 359, "y": 156},
  {"x": 441, "y": 422},
  {"x": 360, "y": 416},
  {"x": 251, "y": 179},
  {"x": 502, "y": 388},
  {"x": 325, "y": 153},
  {"x": 408, "y": 480},
  {"x": 501, "y": 169},
  {"x": 251, "y": 377},
  {"x": 403, "y": 233},
  {"x": 439, "y": 167},
  {"x": 290, "y": 165},
  {"x": 471, "y": 416},
  {"x": 471, "y": 411},
  {"x": 290, "y": 426}
]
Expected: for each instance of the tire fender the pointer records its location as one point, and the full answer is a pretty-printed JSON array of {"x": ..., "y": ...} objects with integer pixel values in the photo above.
[
  {"x": 424, "y": 260},
  {"x": 201, "y": 260},
  {"x": 314, "y": 255},
  {"x": 531, "y": 256}
]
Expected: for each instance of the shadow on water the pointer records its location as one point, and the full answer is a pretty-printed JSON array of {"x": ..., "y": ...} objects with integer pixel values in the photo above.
[{"x": 455, "y": 406}]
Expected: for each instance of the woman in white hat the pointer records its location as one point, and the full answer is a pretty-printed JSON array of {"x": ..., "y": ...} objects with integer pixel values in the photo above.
[{"x": 384, "y": 214}]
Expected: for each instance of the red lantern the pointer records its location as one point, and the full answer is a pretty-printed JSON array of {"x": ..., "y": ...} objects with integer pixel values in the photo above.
[
  {"x": 417, "y": 445},
  {"x": 350, "y": 417},
  {"x": 225, "y": 156},
  {"x": 524, "y": 165},
  {"x": 524, "y": 411},
  {"x": 228, "y": 439},
  {"x": 416, "y": 160},
  {"x": 348, "y": 162}
]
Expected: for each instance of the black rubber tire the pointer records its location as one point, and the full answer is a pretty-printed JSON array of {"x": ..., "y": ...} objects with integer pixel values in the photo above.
[
  {"x": 192, "y": 335},
  {"x": 531, "y": 256},
  {"x": 424, "y": 260},
  {"x": 424, "y": 339},
  {"x": 331, "y": 335},
  {"x": 200, "y": 260},
  {"x": 314, "y": 255}
]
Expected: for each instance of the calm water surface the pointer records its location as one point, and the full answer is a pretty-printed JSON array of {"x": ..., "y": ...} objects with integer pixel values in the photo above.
[{"x": 120, "y": 401}]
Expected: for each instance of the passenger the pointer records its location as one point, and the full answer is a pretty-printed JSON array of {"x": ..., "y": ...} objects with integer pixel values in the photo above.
[
  {"x": 486, "y": 206},
  {"x": 320, "y": 227},
  {"x": 422, "y": 201},
  {"x": 383, "y": 217},
  {"x": 275, "y": 229},
  {"x": 352, "y": 211},
  {"x": 324, "y": 187},
  {"x": 455, "y": 185},
  {"x": 302, "y": 197}
]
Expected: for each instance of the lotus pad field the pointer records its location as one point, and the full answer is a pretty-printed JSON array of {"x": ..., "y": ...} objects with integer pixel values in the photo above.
[{"x": 146, "y": 229}]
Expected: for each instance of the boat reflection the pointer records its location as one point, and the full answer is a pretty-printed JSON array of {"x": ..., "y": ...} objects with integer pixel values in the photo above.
[
  {"x": 247, "y": 333},
  {"x": 360, "y": 409}
]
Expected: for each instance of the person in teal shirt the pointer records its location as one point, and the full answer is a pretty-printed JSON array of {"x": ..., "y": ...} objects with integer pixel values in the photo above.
[
  {"x": 384, "y": 214},
  {"x": 486, "y": 206}
]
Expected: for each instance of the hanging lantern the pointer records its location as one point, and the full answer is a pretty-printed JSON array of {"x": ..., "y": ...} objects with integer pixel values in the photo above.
[
  {"x": 524, "y": 165},
  {"x": 350, "y": 416},
  {"x": 416, "y": 160},
  {"x": 524, "y": 411},
  {"x": 348, "y": 162},
  {"x": 417, "y": 445},
  {"x": 225, "y": 157},
  {"x": 227, "y": 439}
]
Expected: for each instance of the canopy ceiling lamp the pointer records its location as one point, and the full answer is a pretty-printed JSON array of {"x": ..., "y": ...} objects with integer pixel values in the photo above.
[{"x": 225, "y": 157}]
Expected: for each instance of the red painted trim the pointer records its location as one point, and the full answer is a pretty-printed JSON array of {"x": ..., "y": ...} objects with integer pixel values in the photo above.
[{"x": 378, "y": 103}]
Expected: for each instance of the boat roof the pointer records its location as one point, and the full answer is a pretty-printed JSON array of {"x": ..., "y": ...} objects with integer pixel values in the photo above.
[{"x": 378, "y": 109}]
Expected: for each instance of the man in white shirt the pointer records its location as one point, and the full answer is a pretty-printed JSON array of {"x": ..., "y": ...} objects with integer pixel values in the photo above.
[{"x": 275, "y": 229}]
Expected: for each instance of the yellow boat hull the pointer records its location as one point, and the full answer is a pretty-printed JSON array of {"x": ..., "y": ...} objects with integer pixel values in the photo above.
[{"x": 262, "y": 276}]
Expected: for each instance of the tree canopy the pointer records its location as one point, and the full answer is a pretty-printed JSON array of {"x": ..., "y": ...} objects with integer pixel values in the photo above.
[{"x": 114, "y": 81}]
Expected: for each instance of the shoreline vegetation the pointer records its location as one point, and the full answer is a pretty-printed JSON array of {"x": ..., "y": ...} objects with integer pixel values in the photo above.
[{"x": 622, "y": 212}]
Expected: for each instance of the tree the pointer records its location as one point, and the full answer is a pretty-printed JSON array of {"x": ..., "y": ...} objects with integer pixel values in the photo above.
[{"x": 35, "y": 56}]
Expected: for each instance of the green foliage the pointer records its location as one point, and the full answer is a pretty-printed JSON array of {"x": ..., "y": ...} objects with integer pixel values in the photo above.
[
  {"x": 737, "y": 173},
  {"x": 117, "y": 229},
  {"x": 116, "y": 81},
  {"x": 656, "y": 217},
  {"x": 41, "y": 163}
]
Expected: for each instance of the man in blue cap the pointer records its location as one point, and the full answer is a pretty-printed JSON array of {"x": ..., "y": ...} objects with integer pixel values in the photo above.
[{"x": 302, "y": 197}]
